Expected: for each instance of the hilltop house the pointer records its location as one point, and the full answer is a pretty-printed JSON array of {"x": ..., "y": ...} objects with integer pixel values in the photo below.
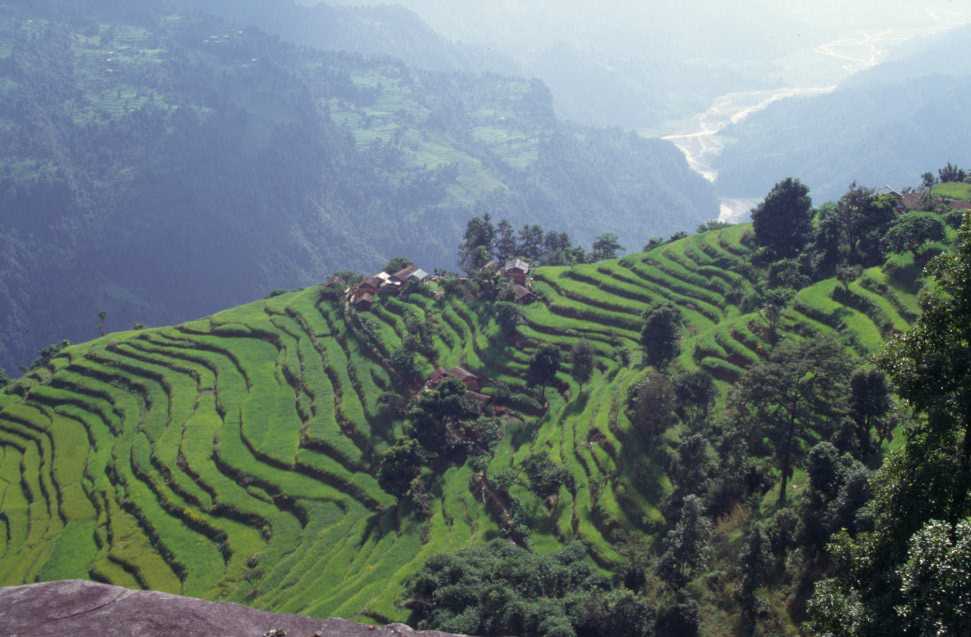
[
  {"x": 411, "y": 274},
  {"x": 516, "y": 270},
  {"x": 362, "y": 301},
  {"x": 912, "y": 201},
  {"x": 371, "y": 285},
  {"x": 362, "y": 295},
  {"x": 404, "y": 274}
]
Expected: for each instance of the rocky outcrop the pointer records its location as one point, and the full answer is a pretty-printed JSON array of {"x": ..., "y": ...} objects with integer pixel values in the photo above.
[{"x": 89, "y": 609}]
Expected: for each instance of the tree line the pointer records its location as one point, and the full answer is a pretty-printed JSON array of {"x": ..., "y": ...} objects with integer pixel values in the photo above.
[{"x": 485, "y": 241}]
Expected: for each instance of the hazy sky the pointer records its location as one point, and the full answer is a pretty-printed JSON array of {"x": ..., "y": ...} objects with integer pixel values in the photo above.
[
  {"x": 710, "y": 25},
  {"x": 610, "y": 61}
]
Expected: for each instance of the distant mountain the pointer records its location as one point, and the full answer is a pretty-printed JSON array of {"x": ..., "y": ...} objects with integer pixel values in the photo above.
[
  {"x": 157, "y": 165},
  {"x": 633, "y": 93},
  {"x": 644, "y": 65},
  {"x": 886, "y": 125},
  {"x": 382, "y": 30}
]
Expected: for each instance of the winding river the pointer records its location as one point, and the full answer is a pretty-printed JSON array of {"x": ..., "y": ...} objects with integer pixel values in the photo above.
[{"x": 700, "y": 138}]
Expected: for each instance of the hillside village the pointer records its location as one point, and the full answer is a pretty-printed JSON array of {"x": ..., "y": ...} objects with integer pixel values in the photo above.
[
  {"x": 516, "y": 286},
  {"x": 363, "y": 294}
]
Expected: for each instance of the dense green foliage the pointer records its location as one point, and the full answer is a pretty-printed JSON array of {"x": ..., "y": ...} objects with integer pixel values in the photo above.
[
  {"x": 144, "y": 143},
  {"x": 912, "y": 564},
  {"x": 660, "y": 336},
  {"x": 783, "y": 221},
  {"x": 499, "y": 589},
  {"x": 936, "y": 580},
  {"x": 792, "y": 398},
  {"x": 582, "y": 361},
  {"x": 912, "y": 231},
  {"x": 275, "y": 454}
]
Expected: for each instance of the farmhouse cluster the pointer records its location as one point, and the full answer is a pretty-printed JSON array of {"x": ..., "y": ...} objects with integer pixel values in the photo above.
[
  {"x": 517, "y": 272},
  {"x": 362, "y": 295}
]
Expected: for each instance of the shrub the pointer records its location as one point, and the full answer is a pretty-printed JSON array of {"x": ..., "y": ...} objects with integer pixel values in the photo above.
[
  {"x": 503, "y": 589},
  {"x": 660, "y": 336},
  {"x": 651, "y": 404},
  {"x": 951, "y": 173},
  {"x": 902, "y": 269},
  {"x": 545, "y": 476},
  {"x": 955, "y": 218}
]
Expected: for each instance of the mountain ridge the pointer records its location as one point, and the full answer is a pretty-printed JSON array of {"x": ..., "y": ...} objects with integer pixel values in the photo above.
[{"x": 188, "y": 141}]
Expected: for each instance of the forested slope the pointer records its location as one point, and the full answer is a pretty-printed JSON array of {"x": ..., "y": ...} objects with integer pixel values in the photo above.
[{"x": 158, "y": 165}]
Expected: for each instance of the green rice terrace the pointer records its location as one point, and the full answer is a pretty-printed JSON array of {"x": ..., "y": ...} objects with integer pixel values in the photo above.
[{"x": 234, "y": 457}]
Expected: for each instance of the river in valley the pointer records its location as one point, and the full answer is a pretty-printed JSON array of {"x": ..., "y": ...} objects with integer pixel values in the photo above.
[{"x": 700, "y": 137}]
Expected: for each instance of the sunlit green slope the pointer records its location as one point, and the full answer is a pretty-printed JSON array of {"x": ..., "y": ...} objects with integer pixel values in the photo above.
[{"x": 234, "y": 457}]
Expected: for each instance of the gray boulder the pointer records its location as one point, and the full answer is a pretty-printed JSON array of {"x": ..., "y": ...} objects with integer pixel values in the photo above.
[{"x": 89, "y": 609}]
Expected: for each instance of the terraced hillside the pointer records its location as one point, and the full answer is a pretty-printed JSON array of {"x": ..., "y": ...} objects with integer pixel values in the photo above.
[{"x": 234, "y": 457}]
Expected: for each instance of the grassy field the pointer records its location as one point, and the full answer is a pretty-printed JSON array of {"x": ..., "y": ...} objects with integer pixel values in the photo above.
[
  {"x": 953, "y": 190},
  {"x": 234, "y": 457}
]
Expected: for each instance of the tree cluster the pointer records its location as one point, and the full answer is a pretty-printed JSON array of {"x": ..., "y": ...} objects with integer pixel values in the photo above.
[
  {"x": 910, "y": 573},
  {"x": 445, "y": 426},
  {"x": 861, "y": 230},
  {"x": 502, "y": 589},
  {"x": 951, "y": 173},
  {"x": 485, "y": 241}
]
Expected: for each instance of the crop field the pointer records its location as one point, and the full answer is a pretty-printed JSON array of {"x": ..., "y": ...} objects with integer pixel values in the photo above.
[
  {"x": 954, "y": 190},
  {"x": 235, "y": 457}
]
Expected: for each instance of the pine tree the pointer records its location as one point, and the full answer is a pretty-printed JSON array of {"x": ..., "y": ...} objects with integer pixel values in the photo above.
[
  {"x": 687, "y": 545},
  {"x": 660, "y": 336}
]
